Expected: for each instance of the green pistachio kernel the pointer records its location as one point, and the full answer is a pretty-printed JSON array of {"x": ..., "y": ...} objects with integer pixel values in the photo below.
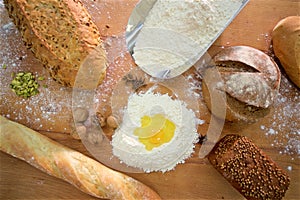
[
  {"x": 41, "y": 78},
  {"x": 24, "y": 84}
]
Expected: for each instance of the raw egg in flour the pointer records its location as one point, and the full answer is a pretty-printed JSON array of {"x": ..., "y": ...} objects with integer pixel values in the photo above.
[{"x": 157, "y": 132}]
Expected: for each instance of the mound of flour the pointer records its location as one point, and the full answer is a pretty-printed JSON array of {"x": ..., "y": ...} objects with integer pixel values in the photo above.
[{"x": 129, "y": 150}]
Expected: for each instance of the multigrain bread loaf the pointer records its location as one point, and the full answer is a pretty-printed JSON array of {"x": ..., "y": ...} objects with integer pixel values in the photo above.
[
  {"x": 248, "y": 169},
  {"x": 249, "y": 78},
  {"x": 81, "y": 171},
  {"x": 286, "y": 45},
  {"x": 60, "y": 34}
]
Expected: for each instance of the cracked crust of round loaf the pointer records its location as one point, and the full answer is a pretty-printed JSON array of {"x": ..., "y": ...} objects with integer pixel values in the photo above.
[{"x": 251, "y": 80}]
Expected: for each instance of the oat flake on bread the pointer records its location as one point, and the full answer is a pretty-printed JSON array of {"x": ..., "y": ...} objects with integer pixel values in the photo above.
[{"x": 127, "y": 146}]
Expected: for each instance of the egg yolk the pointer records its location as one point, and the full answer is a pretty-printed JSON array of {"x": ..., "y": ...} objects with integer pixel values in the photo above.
[{"x": 155, "y": 131}]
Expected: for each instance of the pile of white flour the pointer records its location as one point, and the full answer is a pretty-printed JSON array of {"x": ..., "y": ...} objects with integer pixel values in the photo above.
[{"x": 128, "y": 149}]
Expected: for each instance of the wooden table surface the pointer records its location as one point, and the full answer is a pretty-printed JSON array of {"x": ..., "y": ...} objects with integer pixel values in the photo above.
[{"x": 50, "y": 112}]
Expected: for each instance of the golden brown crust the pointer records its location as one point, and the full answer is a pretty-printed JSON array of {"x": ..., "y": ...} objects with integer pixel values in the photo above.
[
  {"x": 81, "y": 171},
  {"x": 286, "y": 45},
  {"x": 59, "y": 33},
  {"x": 248, "y": 169}
]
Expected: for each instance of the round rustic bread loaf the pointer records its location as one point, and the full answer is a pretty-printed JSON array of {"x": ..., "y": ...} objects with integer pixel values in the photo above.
[
  {"x": 249, "y": 78},
  {"x": 286, "y": 45}
]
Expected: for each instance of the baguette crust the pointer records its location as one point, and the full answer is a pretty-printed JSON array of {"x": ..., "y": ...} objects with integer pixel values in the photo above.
[
  {"x": 59, "y": 33},
  {"x": 81, "y": 171}
]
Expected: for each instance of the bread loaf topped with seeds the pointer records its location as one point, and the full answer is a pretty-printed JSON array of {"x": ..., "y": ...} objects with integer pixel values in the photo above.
[
  {"x": 248, "y": 169},
  {"x": 60, "y": 34}
]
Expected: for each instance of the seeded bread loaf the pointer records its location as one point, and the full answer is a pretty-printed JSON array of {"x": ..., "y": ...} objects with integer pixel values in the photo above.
[
  {"x": 79, "y": 170},
  {"x": 286, "y": 45},
  {"x": 248, "y": 169},
  {"x": 60, "y": 34},
  {"x": 249, "y": 78}
]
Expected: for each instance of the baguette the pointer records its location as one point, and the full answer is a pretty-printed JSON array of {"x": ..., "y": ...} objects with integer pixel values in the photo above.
[
  {"x": 61, "y": 34},
  {"x": 81, "y": 171}
]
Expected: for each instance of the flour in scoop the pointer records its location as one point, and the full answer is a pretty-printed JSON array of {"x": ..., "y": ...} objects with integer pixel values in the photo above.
[{"x": 176, "y": 33}]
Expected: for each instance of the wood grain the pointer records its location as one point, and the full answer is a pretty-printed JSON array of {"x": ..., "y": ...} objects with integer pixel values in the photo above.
[{"x": 50, "y": 113}]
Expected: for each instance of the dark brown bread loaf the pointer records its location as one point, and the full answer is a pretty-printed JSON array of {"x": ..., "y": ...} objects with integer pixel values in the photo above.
[
  {"x": 60, "y": 34},
  {"x": 248, "y": 169},
  {"x": 249, "y": 78}
]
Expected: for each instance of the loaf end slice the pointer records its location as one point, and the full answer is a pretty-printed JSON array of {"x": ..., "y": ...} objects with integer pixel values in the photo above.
[{"x": 248, "y": 169}]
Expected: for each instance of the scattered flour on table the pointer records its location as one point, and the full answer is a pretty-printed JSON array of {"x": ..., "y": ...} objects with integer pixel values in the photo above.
[
  {"x": 119, "y": 64},
  {"x": 285, "y": 119}
]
